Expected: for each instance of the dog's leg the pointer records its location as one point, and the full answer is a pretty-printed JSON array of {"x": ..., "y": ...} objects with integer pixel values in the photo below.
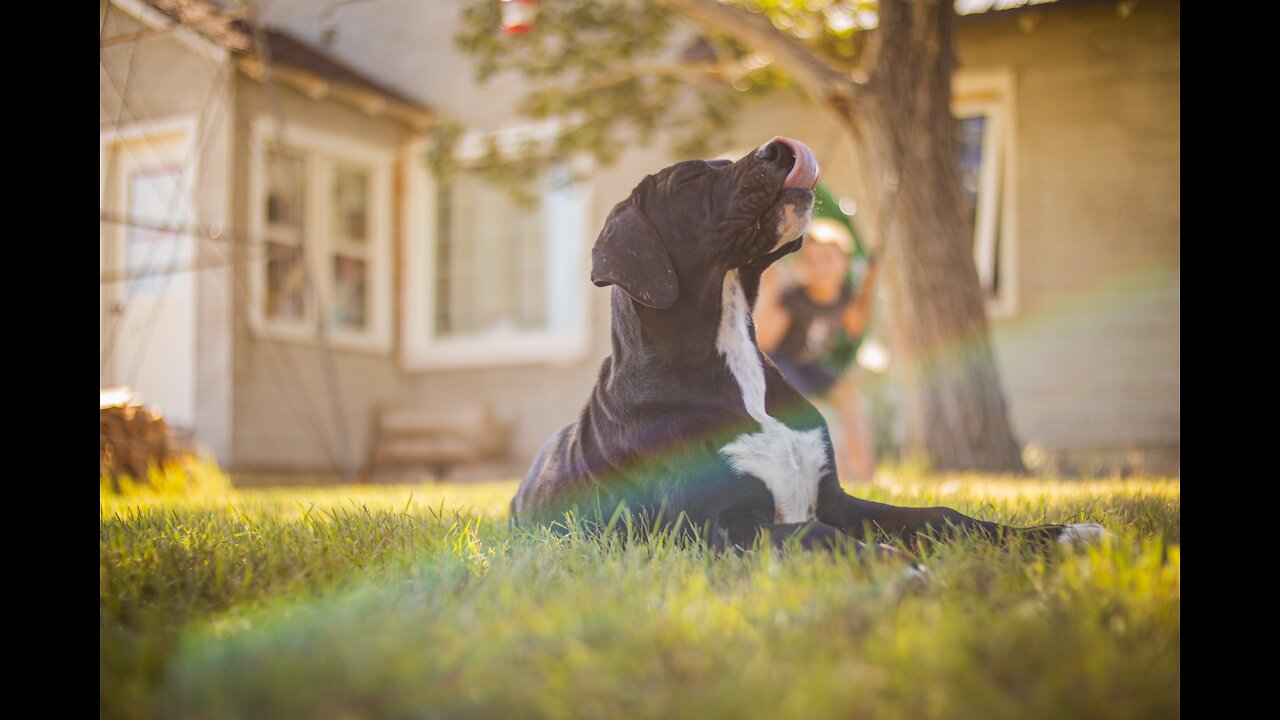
[
  {"x": 858, "y": 517},
  {"x": 741, "y": 532}
]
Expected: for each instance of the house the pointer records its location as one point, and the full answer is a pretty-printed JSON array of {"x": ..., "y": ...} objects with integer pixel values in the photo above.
[{"x": 232, "y": 146}]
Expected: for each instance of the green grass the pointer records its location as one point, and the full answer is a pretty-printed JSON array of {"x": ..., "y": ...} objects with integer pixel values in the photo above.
[{"x": 417, "y": 602}]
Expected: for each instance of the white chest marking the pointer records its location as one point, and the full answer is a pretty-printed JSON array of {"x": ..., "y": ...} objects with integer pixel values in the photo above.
[{"x": 789, "y": 462}]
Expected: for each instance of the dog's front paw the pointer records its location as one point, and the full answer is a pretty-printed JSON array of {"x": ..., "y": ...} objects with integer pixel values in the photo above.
[
  {"x": 916, "y": 577},
  {"x": 885, "y": 551},
  {"x": 913, "y": 577},
  {"x": 1082, "y": 534}
]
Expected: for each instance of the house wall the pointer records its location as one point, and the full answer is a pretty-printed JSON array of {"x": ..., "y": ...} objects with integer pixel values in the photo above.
[
  {"x": 176, "y": 76},
  {"x": 541, "y": 397},
  {"x": 289, "y": 413},
  {"x": 1091, "y": 359},
  {"x": 284, "y": 415}
]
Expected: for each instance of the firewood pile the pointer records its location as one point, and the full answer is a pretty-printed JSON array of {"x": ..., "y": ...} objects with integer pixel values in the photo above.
[{"x": 133, "y": 437}]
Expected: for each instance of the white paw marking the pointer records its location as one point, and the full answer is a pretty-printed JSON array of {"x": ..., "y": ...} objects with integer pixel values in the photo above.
[
  {"x": 1084, "y": 533},
  {"x": 916, "y": 576},
  {"x": 789, "y": 462}
]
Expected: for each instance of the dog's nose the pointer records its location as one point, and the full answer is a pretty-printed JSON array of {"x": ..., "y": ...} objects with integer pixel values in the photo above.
[{"x": 776, "y": 152}]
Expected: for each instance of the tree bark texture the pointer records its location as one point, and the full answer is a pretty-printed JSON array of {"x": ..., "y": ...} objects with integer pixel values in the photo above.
[{"x": 954, "y": 406}]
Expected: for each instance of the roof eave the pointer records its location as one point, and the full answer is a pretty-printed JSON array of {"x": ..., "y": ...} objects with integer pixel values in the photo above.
[{"x": 316, "y": 87}]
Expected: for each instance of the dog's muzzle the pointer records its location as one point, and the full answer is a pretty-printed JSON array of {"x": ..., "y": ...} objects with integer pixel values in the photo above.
[
  {"x": 795, "y": 197},
  {"x": 795, "y": 155}
]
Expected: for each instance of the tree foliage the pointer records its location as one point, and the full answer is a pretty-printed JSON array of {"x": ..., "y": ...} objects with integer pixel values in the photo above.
[{"x": 614, "y": 72}]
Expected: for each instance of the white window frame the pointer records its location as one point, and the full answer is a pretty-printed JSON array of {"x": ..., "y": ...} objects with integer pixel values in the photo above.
[
  {"x": 567, "y": 223},
  {"x": 990, "y": 92},
  {"x": 322, "y": 153}
]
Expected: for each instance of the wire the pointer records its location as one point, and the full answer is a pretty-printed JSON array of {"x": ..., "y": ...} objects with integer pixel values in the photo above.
[
  {"x": 115, "y": 122},
  {"x": 308, "y": 419},
  {"x": 328, "y": 18},
  {"x": 109, "y": 278},
  {"x": 210, "y": 131},
  {"x": 177, "y": 198},
  {"x": 319, "y": 298},
  {"x": 192, "y": 231}
]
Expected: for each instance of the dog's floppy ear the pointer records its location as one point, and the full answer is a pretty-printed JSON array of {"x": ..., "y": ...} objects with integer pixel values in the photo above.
[{"x": 628, "y": 253}]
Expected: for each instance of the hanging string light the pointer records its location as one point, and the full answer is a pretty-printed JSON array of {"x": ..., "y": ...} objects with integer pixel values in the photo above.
[{"x": 518, "y": 15}]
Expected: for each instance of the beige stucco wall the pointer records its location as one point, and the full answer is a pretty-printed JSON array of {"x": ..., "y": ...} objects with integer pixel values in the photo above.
[
  {"x": 174, "y": 76},
  {"x": 1091, "y": 359},
  {"x": 284, "y": 415}
]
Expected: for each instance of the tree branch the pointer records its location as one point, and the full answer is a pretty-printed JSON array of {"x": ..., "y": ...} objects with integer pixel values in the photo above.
[
  {"x": 823, "y": 82},
  {"x": 870, "y": 58},
  {"x": 721, "y": 69}
]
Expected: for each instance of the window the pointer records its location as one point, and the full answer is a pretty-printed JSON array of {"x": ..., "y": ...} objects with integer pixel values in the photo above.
[
  {"x": 490, "y": 269},
  {"x": 322, "y": 211},
  {"x": 286, "y": 275},
  {"x": 983, "y": 107},
  {"x": 147, "y": 326},
  {"x": 350, "y": 248},
  {"x": 491, "y": 280},
  {"x": 155, "y": 202}
]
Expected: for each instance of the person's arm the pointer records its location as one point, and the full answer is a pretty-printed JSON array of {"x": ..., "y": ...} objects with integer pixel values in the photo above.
[
  {"x": 771, "y": 318},
  {"x": 857, "y": 314}
]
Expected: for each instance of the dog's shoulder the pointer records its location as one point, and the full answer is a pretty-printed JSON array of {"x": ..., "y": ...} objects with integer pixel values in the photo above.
[{"x": 788, "y": 405}]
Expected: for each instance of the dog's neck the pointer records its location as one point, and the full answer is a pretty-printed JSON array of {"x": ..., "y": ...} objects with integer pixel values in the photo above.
[
  {"x": 736, "y": 343},
  {"x": 688, "y": 333}
]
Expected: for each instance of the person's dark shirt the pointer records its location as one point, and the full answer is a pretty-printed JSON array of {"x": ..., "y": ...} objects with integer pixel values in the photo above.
[{"x": 815, "y": 350}]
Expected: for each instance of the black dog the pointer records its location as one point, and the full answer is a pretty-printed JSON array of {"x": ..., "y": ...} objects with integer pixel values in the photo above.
[{"x": 689, "y": 421}]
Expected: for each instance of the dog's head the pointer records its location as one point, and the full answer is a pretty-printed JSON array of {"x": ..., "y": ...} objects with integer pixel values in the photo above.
[{"x": 701, "y": 215}]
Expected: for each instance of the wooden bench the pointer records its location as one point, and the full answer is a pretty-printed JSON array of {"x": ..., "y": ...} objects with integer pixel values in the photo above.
[{"x": 439, "y": 439}]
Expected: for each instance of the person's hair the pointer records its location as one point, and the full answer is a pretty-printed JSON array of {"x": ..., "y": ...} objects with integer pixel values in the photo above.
[{"x": 830, "y": 232}]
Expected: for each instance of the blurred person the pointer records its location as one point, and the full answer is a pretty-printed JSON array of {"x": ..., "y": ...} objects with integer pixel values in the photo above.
[{"x": 811, "y": 326}]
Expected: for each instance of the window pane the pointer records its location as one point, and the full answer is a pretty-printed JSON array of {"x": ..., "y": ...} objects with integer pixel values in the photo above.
[
  {"x": 490, "y": 260},
  {"x": 978, "y": 181},
  {"x": 350, "y": 205},
  {"x": 286, "y": 272},
  {"x": 286, "y": 281},
  {"x": 971, "y": 130},
  {"x": 350, "y": 276},
  {"x": 149, "y": 251},
  {"x": 284, "y": 191}
]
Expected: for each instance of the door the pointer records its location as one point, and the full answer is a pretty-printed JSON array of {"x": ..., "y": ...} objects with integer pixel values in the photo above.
[{"x": 147, "y": 332}]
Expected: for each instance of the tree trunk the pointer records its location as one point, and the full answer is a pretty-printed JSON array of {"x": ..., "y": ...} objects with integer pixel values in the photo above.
[
  {"x": 955, "y": 409},
  {"x": 900, "y": 115}
]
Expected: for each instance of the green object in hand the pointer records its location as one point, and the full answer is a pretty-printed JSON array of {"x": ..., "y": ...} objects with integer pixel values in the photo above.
[{"x": 826, "y": 206}]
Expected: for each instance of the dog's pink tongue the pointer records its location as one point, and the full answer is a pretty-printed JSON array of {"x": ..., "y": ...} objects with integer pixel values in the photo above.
[{"x": 804, "y": 174}]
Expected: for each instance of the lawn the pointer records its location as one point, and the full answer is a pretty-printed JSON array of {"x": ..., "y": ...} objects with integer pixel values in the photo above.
[{"x": 418, "y": 602}]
